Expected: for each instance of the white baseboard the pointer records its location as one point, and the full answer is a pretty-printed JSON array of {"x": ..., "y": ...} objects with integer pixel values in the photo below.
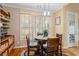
[
  {"x": 65, "y": 47},
  {"x": 19, "y": 46}
]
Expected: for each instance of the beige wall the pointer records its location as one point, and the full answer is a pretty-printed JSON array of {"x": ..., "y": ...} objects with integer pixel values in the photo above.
[
  {"x": 58, "y": 28},
  {"x": 63, "y": 27}
]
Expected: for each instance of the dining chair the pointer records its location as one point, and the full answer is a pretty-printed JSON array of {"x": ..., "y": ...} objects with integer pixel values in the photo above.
[
  {"x": 30, "y": 49},
  {"x": 52, "y": 46},
  {"x": 60, "y": 43}
]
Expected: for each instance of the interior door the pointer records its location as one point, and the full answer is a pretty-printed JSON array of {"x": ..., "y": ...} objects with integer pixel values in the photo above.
[{"x": 72, "y": 29}]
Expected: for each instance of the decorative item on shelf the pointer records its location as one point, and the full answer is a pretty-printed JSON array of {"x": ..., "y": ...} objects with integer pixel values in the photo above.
[
  {"x": 1, "y": 5},
  {"x": 0, "y": 31},
  {"x": 8, "y": 15},
  {"x": 58, "y": 20},
  {"x": 1, "y": 24}
]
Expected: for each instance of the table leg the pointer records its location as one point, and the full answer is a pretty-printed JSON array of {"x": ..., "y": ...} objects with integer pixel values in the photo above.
[{"x": 41, "y": 49}]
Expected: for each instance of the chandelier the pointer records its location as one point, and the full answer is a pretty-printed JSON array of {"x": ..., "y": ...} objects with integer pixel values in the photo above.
[{"x": 46, "y": 10}]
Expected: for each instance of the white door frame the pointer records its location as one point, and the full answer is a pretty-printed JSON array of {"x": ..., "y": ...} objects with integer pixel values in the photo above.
[{"x": 76, "y": 26}]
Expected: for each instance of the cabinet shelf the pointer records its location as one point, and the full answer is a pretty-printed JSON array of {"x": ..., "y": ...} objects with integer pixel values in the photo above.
[
  {"x": 3, "y": 50},
  {"x": 6, "y": 44},
  {"x": 4, "y": 19},
  {"x": 3, "y": 41},
  {"x": 5, "y": 27},
  {"x": 6, "y": 41},
  {"x": 4, "y": 24},
  {"x": 4, "y": 12},
  {"x": 6, "y": 48}
]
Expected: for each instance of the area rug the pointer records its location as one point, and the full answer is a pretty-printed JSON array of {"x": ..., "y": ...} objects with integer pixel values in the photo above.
[{"x": 24, "y": 53}]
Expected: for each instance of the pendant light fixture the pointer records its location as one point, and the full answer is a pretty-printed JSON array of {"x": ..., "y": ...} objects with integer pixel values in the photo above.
[
  {"x": 45, "y": 13},
  {"x": 46, "y": 10}
]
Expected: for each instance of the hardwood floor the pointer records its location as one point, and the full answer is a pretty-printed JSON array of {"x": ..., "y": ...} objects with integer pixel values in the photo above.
[
  {"x": 18, "y": 51},
  {"x": 68, "y": 52},
  {"x": 75, "y": 50}
]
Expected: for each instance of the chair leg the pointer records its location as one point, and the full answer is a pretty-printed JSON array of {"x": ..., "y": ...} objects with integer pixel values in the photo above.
[
  {"x": 56, "y": 53},
  {"x": 60, "y": 52}
]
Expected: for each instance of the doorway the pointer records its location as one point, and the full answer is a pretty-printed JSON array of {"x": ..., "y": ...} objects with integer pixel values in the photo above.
[{"x": 72, "y": 20}]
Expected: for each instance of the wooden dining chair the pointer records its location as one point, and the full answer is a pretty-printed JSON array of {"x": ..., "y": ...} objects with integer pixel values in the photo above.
[
  {"x": 52, "y": 46},
  {"x": 60, "y": 43},
  {"x": 30, "y": 51}
]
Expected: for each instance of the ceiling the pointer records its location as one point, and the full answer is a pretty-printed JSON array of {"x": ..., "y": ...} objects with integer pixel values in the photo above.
[{"x": 38, "y": 6}]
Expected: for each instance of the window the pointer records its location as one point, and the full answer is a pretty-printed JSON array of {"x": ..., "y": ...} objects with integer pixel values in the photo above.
[{"x": 33, "y": 25}]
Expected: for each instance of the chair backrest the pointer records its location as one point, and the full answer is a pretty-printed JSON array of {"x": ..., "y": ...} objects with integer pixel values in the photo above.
[
  {"x": 59, "y": 35},
  {"x": 60, "y": 42},
  {"x": 53, "y": 46},
  {"x": 28, "y": 40},
  {"x": 53, "y": 42}
]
